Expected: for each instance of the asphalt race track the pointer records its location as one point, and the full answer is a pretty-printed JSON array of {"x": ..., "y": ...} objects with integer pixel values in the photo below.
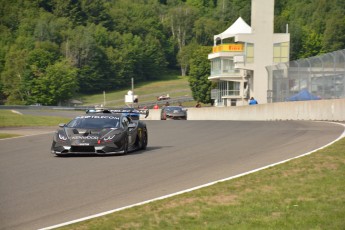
[{"x": 39, "y": 190}]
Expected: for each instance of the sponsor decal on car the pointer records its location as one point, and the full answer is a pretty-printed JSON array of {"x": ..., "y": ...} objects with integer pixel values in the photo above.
[
  {"x": 84, "y": 137},
  {"x": 84, "y": 143}
]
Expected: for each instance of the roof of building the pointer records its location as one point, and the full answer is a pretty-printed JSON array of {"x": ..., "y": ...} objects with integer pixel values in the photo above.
[{"x": 238, "y": 27}]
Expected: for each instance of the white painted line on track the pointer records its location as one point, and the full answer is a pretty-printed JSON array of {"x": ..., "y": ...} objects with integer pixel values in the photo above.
[
  {"x": 30, "y": 135},
  {"x": 194, "y": 188},
  {"x": 17, "y": 112}
]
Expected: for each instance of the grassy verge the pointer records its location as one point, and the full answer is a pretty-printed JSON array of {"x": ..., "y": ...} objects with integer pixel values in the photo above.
[
  {"x": 7, "y": 135},
  {"x": 306, "y": 193},
  {"x": 172, "y": 84},
  {"x": 10, "y": 119}
]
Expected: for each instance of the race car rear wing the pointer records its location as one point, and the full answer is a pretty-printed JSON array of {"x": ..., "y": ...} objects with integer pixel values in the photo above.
[{"x": 129, "y": 111}]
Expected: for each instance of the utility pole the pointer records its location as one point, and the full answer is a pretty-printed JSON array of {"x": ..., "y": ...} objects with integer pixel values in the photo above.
[
  {"x": 132, "y": 79},
  {"x": 104, "y": 98}
]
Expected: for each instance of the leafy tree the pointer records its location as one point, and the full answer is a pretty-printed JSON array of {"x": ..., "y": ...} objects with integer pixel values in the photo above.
[
  {"x": 204, "y": 6},
  {"x": 13, "y": 13},
  {"x": 334, "y": 34},
  {"x": 185, "y": 54},
  {"x": 58, "y": 84},
  {"x": 19, "y": 83},
  {"x": 40, "y": 58},
  {"x": 198, "y": 75},
  {"x": 6, "y": 39},
  {"x": 109, "y": 42},
  {"x": 115, "y": 60},
  {"x": 94, "y": 75},
  {"x": 153, "y": 58},
  {"x": 13, "y": 79},
  {"x": 229, "y": 11},
  {"x": 204, "y": 30},
  {"x": 51, "y": 28},
  {"x": 95, "y": 12},
  {"x": 181, "y": 23},
  {"x": 2, "y": 95},
  {"x": 131, "y": 56},
  {"x": 312, "y": 44},
  {"x": 47, "y": 5},
  {"x": 37, "y": 62},
  {"x": 42, "y": 29},
  {"x": 70, "y": 9},
  {"x": 80, "y": 45}
]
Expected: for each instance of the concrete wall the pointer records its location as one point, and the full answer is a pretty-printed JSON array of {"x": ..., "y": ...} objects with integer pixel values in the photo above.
[
  {"x": 326, "y": 110},
  {"x": 323, "y": 110},
  {"x": 154, "y": 114}
]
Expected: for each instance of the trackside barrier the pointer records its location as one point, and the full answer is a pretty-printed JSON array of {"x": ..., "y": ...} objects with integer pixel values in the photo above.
[
  {"x": 154, "y": 114},
  {"x": 323, "y": 110}
]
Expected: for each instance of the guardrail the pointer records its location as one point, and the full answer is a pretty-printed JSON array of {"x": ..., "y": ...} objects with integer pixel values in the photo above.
[{"x": 35, "y": 107}]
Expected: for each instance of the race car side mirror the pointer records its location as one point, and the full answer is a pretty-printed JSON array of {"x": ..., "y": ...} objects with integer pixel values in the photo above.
[{"x": 61, "y": 125}]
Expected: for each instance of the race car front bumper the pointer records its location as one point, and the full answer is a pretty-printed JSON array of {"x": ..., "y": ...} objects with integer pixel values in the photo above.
[{"x": 110, "y": 148}]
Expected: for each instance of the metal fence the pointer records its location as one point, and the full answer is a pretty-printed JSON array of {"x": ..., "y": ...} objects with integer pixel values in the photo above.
[{"x": 319, "y": 77}]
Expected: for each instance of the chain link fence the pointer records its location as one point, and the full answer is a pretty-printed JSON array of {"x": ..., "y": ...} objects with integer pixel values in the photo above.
[{"x": 319, "y": 77}]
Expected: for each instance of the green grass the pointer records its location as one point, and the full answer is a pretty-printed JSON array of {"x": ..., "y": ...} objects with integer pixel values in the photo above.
[
  {"x": 306, "y": 193},
  {"x": 172, "y": 84},
  {"x": 7, "y": 135},
  {"x": 10, "y": 119}
]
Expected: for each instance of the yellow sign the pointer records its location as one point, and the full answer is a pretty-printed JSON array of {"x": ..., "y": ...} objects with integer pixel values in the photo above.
[{"x": 228, "y": 48}]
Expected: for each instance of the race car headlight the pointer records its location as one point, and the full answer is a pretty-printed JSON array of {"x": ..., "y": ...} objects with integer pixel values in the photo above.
[
  {"x": 62, "y": 137},
  {"x": 109, "y": 137}
]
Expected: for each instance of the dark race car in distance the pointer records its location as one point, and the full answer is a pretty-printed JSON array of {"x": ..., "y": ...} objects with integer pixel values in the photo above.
[
  {"x": 100, "y": 132},
  {"x": 173, "y": 113}
]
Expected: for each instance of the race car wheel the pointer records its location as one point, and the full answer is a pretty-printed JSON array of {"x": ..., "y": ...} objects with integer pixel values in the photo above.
[{"x": 143, "y": 140}]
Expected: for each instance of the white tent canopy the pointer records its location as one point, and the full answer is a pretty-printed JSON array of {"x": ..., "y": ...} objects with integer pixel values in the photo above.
[{"x": 239, "y": 27}]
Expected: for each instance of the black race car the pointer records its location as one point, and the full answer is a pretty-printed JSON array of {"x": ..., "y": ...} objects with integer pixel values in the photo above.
[
  {"x": 102, "y": 132},
  {"x": 173, "y": 113}
]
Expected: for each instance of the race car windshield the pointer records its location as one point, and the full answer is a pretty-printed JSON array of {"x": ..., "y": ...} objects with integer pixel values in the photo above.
[
  {"x": 93, "y": 123},
  {"x": 170, "y": 109}
]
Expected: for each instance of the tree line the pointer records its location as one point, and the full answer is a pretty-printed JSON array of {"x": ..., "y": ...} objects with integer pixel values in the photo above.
[{"x": 52, "y": 50}]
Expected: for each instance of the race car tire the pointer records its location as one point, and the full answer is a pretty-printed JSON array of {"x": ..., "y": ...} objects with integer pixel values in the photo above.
[{"x": 143, "y": 140}]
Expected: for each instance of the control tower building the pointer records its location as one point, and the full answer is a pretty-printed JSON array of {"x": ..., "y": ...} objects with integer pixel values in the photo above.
[{"x": 241, "y": 53}]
